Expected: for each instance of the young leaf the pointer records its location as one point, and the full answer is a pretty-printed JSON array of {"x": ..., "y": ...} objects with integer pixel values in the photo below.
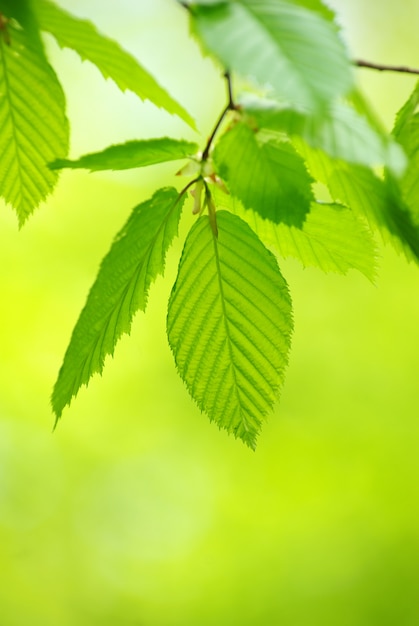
[
  {"x": 33, "y": 124},
  {"x": 229, "y": 324},
  {"x": 291, "y": 49},
  {"x": 110, "y": 59},
  {"x": 378, "y": 201},
  {"x": 340, "y": 132},
  {"x": 121, "y": 288},
  {"x": 331, "y": 237},
  {"x": 131, "y": 154},
  {"x": 267, "y": 176}
]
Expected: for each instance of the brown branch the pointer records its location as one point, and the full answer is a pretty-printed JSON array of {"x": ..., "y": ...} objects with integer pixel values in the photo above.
[
  {"x": 386, "y": 68},
  {"x": 230, "y": 106}
]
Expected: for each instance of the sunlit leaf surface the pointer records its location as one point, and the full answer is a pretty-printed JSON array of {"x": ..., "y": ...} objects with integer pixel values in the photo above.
[
  {"x": 340, "y": 131},
  {"x": 279, "y": 44},
  {"x": 121, "y": 288},
  {"x": 109, "y": 57},
  {"x": 131, "y": 154},
  {"x": 266, "y": 174},
  {"x": 33, "y": 124},
  {"x": 331, "y": 237},
  {"x": 229, "y": 324}
]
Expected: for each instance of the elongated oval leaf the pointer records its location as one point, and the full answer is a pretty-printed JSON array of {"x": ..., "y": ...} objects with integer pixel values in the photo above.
[
  {"x": 229, "y": 324},
  {"x": 279, "y": 44},
  {"x": 121, "y": 288},
  {"x": 267, "y": 176},
  {"x": 108, "y": 56},
  {"x": 131, "y": 154},
  {"x": 33, "y": 124}
]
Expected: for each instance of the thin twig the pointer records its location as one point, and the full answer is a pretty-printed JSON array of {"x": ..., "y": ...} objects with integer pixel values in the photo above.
[
  {"x": 185, "y": 189},
  {"x": 386, "y": 68},
  {"x": 230, "y": 106}
]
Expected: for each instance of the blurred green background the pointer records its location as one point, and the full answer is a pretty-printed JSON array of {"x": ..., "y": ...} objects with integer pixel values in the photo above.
[{"x": 137, "y": 511}]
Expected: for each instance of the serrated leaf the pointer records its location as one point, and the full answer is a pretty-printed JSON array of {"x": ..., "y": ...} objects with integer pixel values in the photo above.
[
  {"x": 33, "y": 124},
  {"x": 377, "y": 200},
  {"x": 340, "y": 131},
  {"x": 267, "y": 176},
  {"x": 405, "y": 114},
  {"x": 380, "y": 202},
  {"x": 229, "y": 324},
  {"x": 409, "y": 183},
  {"x": 406, "y": 130},
  {"x": 121, "y": 288},
  {"x": 283, "y": 46},
  {"x": 111, "y": 60},
  {"x": 131, "y": 154},
  {"x": 331, "y": 237}
]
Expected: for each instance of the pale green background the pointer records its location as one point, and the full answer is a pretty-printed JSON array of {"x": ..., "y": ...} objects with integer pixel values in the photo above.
[{"x": 137, "y": 511}]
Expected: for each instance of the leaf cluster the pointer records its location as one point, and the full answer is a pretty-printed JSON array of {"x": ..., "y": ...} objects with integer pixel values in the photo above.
[{"x": 302, "y": 125}]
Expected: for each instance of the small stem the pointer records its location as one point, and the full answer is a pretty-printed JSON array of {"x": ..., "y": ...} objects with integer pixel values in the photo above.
[
  {"x": 386, "y": 68},
  {"x": 229, "y": 107},
  {"x": 186, "y": 187},
  {"x": 229, "y": 91}
]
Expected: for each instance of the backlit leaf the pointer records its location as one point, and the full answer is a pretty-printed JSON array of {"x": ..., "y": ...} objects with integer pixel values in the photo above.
[
  {"x": 33, "y": 125},
  {"x": 331, "y": 237},
  {"x": 131, "y": 154},
  {"x": 377, "y": 200},
  {"x": 266, "y": 174},
  {"x": 108, "y": 56},
  {"x": 280, "y": 45},
  {"x": 340, "y": 131},
  {"x": 406, "y": 130},
  {"x": 229, "y": 324},
  {"x": 121, "y": 288}
]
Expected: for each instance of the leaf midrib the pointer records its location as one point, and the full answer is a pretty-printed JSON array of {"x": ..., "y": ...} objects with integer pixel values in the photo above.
[{"x": 244, "y": 420}]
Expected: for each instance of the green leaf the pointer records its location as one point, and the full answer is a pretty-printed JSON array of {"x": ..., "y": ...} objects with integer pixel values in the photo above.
[
  {"x": 341, "y": 132},
  {"x": 406, "y": 130},
  {"x": 267, "y": 175},
  {"x": 409, "y": 183},
  {"x": 132, "y": 154},
  {"x": 378, "y": 201},
  {"x": 405, "y": 115},
  {"x": 312, "y": 5},
  {"x": 331, "y": 237},
  {"x": 108, "y": 56},
  {"x": 281, "y": 45},
  {"x": 229, "y": 324},
  {"x": 319, "y": 7},
  {"x": 121, "y": 288},
  {"x": 33, "y": 124}
]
